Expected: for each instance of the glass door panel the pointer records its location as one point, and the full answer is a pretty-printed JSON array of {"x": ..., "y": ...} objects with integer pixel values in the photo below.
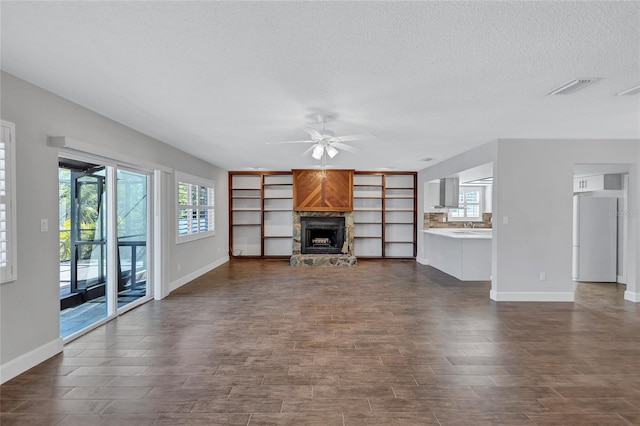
[
  {"x": 132, "y": 226},
  {"x": 83, "y": 240}
]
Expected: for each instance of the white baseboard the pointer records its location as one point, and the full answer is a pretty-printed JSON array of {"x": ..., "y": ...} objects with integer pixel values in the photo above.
[
  {"x": 530, "y": 296},
  {"x": 24, "y": 362},
  {"x": 422, "y": 260},
  {"x": 632, "y": 296},
  {"x": 620, "y": 279},
  {"x": 195, "y": 274}
]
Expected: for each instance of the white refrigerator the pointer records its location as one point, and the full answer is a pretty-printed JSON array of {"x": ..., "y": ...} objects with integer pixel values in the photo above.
[{"x": 595, "y": 239}]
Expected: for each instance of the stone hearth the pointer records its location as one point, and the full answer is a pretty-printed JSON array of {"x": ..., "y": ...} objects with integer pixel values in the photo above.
[{"x": 341, "y": 259}]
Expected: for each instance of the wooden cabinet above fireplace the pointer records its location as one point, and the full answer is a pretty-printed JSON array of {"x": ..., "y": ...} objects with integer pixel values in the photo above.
[{"x": 323, "y": 190}]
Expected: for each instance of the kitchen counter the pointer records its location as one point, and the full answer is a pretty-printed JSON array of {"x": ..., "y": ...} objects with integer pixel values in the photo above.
[
  {"x": 467, "y": 233},
  {"x": 461, "y": 252}
]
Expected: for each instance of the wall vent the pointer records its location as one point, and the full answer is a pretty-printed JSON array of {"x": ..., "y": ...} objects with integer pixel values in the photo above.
[
  {"x": 572, "y": 86},
  {"x": 632, "y": 91}
]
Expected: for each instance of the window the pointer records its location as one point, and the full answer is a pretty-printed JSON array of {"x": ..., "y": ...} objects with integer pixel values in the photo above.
[
  {"x": 196, "y": 213},
  {"x": 470, "y": 205},
  {"x": 8, "y": 270}
]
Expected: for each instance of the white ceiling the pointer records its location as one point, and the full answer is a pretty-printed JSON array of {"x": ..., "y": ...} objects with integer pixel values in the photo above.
[{"x": 429, "y": 79}]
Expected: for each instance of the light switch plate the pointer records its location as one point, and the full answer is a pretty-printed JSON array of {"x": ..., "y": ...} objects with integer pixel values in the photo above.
[{"x": 44, "y": 225}]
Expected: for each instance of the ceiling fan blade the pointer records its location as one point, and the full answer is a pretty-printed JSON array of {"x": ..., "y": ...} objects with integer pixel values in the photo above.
[
  {"x": 281, "y": 142},
  {"x": 308, "y": 150},
  {"x": 313, "y": 132},
  {"x": 348, "y": 138},
  {"x": 344, "y": 146}
]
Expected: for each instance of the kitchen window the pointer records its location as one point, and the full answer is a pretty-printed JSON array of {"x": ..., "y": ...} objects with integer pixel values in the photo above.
[
  {"x": 469, "y": 205},
  {"x": 196, "y": 208}
]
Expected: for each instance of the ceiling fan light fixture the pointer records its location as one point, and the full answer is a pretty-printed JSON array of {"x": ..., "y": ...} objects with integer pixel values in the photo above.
[
  {"x": 318, "y": 150},
  {"x": 332, "y": 152}
]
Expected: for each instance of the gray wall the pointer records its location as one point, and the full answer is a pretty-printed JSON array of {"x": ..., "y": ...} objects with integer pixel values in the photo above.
[{"x": 29, "y": 307}]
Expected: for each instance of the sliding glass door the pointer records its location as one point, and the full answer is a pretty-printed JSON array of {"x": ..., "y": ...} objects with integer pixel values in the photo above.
[{"x": 104, "y": 228}]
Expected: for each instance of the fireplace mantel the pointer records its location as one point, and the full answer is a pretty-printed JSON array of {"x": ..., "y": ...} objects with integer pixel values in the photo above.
[{"x": 323, "y": 190}]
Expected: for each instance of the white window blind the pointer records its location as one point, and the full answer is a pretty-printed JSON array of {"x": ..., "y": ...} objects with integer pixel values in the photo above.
[
  {"x": 7, "y": 203},
  {"x": 196, "y": 208}
]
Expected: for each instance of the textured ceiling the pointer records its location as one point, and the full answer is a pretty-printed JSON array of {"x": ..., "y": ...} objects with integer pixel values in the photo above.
[{"x": 429, "y": 79}]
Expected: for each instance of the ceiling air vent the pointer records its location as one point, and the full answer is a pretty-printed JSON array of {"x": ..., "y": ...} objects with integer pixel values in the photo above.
[
  {"x": 572, "y": 86},
  {"x": 632, "y": 91}
]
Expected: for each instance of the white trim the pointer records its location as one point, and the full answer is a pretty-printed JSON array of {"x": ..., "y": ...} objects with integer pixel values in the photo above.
[
  {"x": 91, "y": 327},
  {"x": 196, "y": 180},
  {"x": 197, "y": 273},
  {"x": 180, "y": 239},
  {"x": 620, "y": 279},
  {"x": 632, "y": 296},
  {"x": 422, "y": 261},
  {"x": 112, "y": 241},
  {"x": 158, "y": 277},
  {"x": 131, "y": 305},
  {"x": 26, "y": 361},
  {"x": 530, "y": 296},
  {"x": 122, "y": 159}
]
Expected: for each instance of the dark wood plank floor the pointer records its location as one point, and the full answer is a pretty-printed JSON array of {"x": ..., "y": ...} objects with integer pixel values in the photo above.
[{"x": 386, "y": 343}]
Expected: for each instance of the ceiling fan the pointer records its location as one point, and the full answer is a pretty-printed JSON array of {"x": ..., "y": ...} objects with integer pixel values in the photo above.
[{"x": 325, "y": 142}]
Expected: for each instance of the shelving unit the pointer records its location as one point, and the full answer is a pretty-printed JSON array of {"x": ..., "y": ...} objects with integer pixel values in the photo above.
[
  {"x": 261, "y": 214},
  {"x": 385, "y": 214},
  {"x": 277, "y": 211}
]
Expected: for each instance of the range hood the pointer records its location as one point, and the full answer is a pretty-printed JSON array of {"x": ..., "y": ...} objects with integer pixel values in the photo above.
[{"x": 449, "y": 192}]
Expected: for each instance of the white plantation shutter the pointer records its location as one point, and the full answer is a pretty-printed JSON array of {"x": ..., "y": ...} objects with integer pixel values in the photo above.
[
  {"x": 7, "y": 203},
  {"x": 196, "y": 208}
]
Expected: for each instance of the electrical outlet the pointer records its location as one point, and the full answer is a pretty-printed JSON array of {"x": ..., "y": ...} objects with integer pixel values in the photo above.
[
  {"x": 179, "y": 267},
  {"x": 543, "y": 276},
  {"x": 505, "y": 220},
  {"x": 44, "y": 225}
]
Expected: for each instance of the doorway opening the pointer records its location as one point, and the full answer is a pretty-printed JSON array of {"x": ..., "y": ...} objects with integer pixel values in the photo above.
[{"x": 600, "y": 203}]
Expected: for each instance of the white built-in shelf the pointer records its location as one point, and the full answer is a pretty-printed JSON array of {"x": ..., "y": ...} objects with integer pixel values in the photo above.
[
  {"x": 260, "y": 214},
  {"x": 386, "y": 204}
]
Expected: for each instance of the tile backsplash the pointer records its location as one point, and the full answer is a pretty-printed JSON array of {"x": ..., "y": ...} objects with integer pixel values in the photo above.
[{"x": 436, "y": 220}]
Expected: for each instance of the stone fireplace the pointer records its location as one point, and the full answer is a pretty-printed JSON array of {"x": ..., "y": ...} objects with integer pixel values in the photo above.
[{"x": 323, "y": 239}]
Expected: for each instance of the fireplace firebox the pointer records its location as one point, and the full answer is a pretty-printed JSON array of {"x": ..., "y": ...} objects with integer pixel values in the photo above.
[{"x": 322, "y": 235}]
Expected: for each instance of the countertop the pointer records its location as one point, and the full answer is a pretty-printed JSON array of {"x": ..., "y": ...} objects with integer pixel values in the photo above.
[{"x": 464, "y": 233}]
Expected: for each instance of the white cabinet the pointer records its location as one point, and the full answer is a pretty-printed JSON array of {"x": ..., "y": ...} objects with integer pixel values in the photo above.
[{"x": 597, "y": 183}]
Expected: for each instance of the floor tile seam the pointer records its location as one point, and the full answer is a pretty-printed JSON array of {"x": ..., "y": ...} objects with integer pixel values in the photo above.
[{"x": 24, "y": 401}]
